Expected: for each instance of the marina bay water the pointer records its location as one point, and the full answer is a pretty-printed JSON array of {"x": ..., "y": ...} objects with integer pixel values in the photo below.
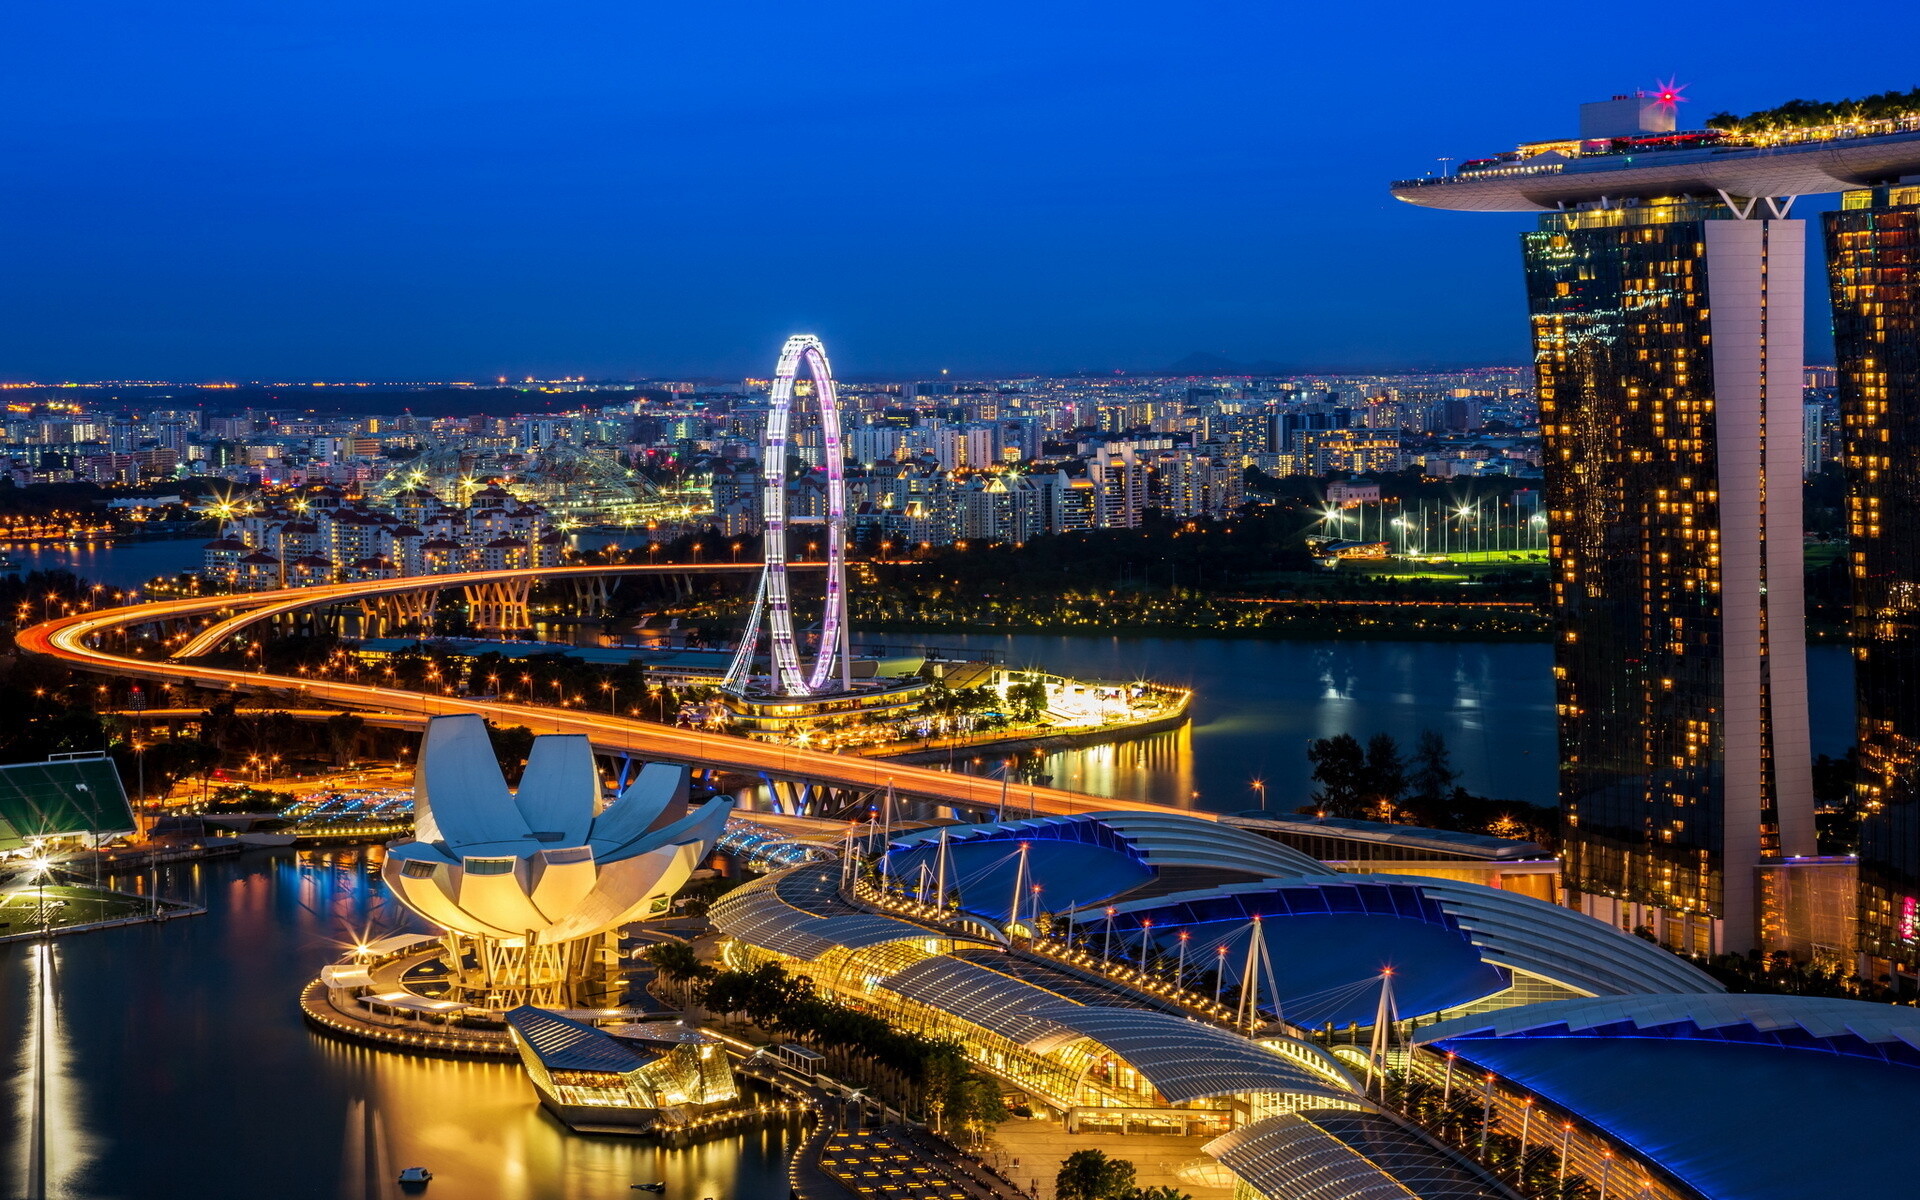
[
  {"x": 175, "y": 1063},
  {"x": 1257, "y": 704}
]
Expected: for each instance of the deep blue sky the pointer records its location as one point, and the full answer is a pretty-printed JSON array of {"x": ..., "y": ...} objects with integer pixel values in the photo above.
[{"x": 199, "y": 189}]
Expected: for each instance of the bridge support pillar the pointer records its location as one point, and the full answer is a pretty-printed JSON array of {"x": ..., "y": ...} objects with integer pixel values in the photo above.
[
  {"x": 592, "y": 595},
  {"x": 500, "y": 607}
]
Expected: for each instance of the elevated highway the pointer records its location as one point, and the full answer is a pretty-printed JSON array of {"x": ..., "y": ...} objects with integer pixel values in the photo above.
[{"x": 74, "y": 640}]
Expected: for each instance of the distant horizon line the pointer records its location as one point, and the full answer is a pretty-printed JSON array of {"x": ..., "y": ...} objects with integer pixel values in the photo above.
[{"x": 524, "y": 382}]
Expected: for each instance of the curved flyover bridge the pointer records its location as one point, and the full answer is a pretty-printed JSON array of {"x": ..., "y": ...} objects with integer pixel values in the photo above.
[{"x": 75, "y": 641}]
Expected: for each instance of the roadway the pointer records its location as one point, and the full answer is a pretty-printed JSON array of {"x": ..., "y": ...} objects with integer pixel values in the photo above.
[{"x": 70, "y": 640}]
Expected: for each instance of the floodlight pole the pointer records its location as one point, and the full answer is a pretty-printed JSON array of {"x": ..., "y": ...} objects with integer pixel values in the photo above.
[
  {"x": 1526, "y": 1127},
  {"x": 1382, "y": 1033},
  {"x": 1019, "y": 883},
  {"x": 940, "y": 874},
  {"x": 1259, "y": 963}
]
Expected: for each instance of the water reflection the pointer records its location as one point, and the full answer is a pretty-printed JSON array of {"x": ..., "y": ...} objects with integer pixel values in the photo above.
[
  {"x": 1257, "y": 703},
  {"x": 1157, "y": 768},
  {"x": 498, "y": 1142},
  {"x": 178, "y": 1065},
  {"x": 55, "y": 1144}
]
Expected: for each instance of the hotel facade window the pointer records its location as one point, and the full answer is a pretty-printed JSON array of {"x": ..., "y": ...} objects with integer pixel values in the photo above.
[
  {"x": 1667, "y": 342},
  {"x": 1873, "y": 255}
]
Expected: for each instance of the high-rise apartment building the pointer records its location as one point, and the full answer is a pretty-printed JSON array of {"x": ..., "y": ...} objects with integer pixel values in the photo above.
[
  {"x": 1813, "y": 438},
  {"x": 1873, "y": 267}
]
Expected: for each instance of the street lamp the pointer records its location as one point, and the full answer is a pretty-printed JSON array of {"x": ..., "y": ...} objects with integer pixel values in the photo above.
[{"x": 42, "y": 867}]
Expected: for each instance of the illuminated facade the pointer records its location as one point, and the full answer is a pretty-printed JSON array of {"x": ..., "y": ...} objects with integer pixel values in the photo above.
[
  {"x": 631, "y": 1079},
  {"x": 1667, "y": 349},
  {"x": 1873, "y": 254},
  {"x": 1665, "y": 286},
  {"x": 1105, "y": 966},
  {"x": 774, "y": 599},
  {"x": 531, "y": 886}
]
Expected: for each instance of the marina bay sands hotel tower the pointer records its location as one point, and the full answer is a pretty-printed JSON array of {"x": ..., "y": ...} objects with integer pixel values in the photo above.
[{"x": 1665, "y": 285}]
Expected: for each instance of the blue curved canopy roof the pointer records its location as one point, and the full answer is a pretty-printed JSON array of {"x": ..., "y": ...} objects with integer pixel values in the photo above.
[
  {"x": 1161, "y": 840},
  {"x": 1882, "y": 1032},
  {"x": 1330, "y": 938},
  {"x": 1559, "y": 944},
  {"x": 1068, "y": 873},
  {"x": 1743, "y": 1097}
]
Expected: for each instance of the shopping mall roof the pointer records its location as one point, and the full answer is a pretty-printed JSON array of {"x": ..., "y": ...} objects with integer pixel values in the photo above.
[
  {"x": 59, "y": 798},
  {"x": 1705, "y": 1086},
  {"x": 1091, "y": 858},
  {"x": 1567, "y": 947},
  {"x": 1186, "y": 1060},
  {"x": 1450, "y": 842},
  {"x": 757, "y": 915},
  {"x": 999, "y": 1003},
  {"x": 1882, "y": 1032},
  {"x": 772, "y": 912},
  {"x": 1345, "y": 1154}
]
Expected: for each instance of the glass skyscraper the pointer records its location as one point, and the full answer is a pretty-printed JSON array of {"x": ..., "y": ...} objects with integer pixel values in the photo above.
[
  {"x": 1667, "y": 341},
  {"x": 1873, "y": 264}
]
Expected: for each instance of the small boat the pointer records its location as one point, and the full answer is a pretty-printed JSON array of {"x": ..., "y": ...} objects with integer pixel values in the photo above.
[
  {"x": 419, "y": 1176},
  {"x": 656, "y": 1188}
]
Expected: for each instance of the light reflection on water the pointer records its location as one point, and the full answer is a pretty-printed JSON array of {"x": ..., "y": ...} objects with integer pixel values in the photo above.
[
  {"x": 53, "y": 1145},
  {"x": 1257, "y": 704},
  {"x": 183, "y": 1068},
  {"x": 494, "y": 1144}
]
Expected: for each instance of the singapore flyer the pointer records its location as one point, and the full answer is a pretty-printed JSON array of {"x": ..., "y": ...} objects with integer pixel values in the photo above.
[{"x": 774, "y": 601}]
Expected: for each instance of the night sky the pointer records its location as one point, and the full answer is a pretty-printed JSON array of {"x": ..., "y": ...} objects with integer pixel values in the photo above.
[{"x": 433, "y": 190}]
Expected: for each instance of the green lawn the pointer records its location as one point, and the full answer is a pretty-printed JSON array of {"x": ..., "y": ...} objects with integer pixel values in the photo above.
[
  {"x": 66, "y": 905},
  {"x": 1458, "y": 568},
  {"x": 1822, "y": 554}
]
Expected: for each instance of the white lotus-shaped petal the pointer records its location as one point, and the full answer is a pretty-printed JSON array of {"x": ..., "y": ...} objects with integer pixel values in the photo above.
[{"x": 539, "y": 864}]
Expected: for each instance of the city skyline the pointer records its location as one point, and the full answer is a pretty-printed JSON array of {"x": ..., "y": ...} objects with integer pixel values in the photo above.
[
  {"x": 1224, "y": 689},
  {"x": 329, "y": 199}
]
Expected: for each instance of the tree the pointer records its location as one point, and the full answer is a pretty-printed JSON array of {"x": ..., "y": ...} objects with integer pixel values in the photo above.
[
  {"x": 676, "y": 963},
  {"x": 1091, "y": 1175},
  {"x": 1339, "y": 767},
  {"x": 1385, "y": 776},
  {"x": 1433, "y": 773},
  {"x": 1163, "y": 1192},
  {"x": 343, "y": 730},
  {"x": 974, "y": 1105}
]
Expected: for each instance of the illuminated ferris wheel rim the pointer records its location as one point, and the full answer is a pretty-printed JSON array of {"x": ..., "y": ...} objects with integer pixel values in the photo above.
[{"x": 787, "y": 674}]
